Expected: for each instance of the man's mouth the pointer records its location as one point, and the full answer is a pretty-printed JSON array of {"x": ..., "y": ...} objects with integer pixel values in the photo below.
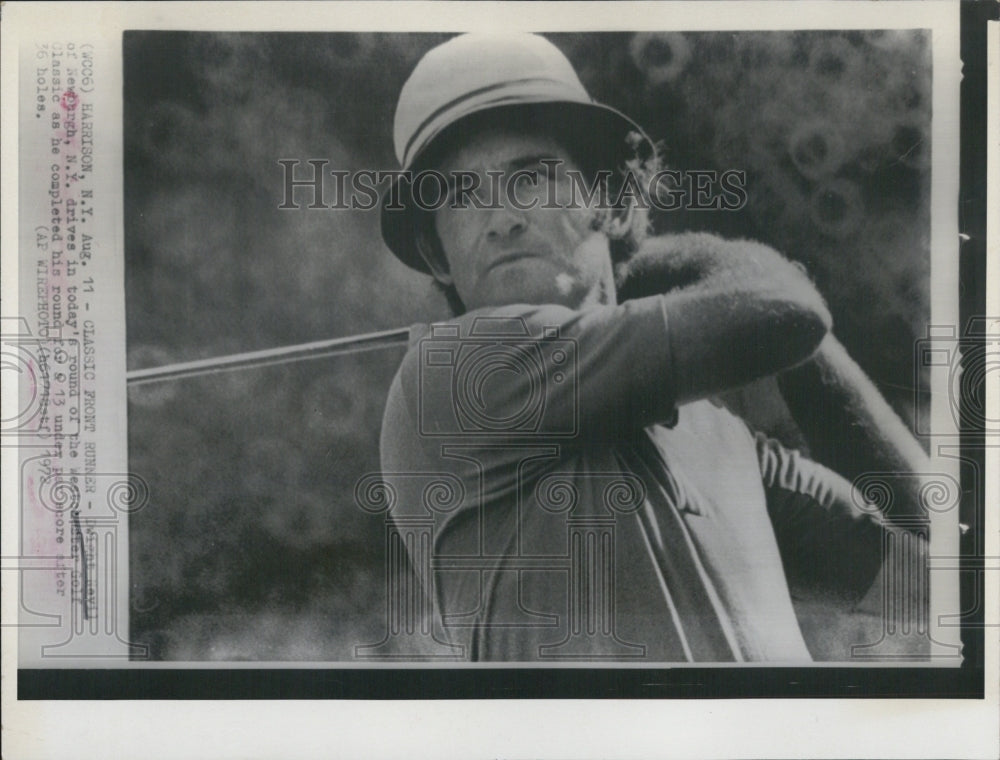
[{"x": 511, "y": 257}]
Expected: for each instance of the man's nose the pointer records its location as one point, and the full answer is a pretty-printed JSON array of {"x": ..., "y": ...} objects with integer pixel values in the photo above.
[{"x": 505, "y": 223}]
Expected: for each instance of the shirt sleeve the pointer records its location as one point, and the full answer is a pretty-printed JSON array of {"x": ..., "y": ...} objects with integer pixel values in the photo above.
[
  {"x": 546, "y": 371},
  {"x": 828, "y": 545}
]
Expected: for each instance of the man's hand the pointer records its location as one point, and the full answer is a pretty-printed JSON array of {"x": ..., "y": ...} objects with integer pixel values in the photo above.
[{"x": 736, "y": 310}]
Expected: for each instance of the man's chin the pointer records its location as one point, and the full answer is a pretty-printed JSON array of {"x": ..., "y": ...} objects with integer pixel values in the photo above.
[{"x": 538, "y": 285}]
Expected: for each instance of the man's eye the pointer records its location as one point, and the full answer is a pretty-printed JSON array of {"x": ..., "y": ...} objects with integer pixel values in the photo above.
[
  {"x": 459, "y": 197},
  {"x": 528, "y": 177}
]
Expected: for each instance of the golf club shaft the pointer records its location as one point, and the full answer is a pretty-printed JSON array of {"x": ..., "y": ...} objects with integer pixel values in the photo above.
[{"x": 282, "y": 355}]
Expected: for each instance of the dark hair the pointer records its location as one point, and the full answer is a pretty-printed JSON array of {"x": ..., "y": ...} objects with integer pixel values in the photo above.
[{"x": 625, "y": 225}]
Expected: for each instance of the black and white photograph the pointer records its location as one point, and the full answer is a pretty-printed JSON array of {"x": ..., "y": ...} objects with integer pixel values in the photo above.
[
  {"x": 662, "y": 292},
  {"x": 368, "y": 353}
]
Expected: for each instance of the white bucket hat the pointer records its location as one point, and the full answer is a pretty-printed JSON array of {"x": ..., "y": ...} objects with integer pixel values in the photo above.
[{"x": 473, "y": 73}]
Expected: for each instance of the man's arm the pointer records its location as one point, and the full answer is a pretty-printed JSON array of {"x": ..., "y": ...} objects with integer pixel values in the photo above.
[
  {"x": 736, "y": 310},
  {"x": 826, "y": 540},
  {"x": 846, "y": 423},
  {"x": 836, "y": 558},
  {"x": 745, "y": 313},
  {"x": 849, "y": 426}
]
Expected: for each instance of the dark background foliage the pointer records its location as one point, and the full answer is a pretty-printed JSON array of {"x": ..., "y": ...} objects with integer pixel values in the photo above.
[{"x": 251, "y": 546}]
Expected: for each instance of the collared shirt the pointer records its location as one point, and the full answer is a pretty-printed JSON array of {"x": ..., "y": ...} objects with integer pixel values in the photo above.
[{"x": 571, "y": 510}]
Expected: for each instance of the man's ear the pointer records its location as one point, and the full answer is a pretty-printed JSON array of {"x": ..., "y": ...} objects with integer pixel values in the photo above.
[{"x": 434, "y": 258}]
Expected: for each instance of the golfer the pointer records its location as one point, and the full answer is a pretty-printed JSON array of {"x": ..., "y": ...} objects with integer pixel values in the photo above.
[{"x": 603, "y": 503}]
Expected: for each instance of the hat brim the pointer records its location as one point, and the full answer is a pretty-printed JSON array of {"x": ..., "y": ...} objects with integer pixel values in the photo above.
[{"x": 594, "y": 132}]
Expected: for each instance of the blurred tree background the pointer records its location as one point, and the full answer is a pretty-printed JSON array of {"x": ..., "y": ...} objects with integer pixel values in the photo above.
[{"x": 252, "y": 546}]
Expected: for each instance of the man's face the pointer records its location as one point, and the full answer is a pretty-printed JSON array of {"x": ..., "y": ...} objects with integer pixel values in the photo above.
[{"x": 504, "y": 253}]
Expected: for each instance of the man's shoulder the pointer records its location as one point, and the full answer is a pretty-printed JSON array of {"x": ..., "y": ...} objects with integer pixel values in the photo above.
[
  {"x": 465, "y": 350},
  {"x": 431, "y": 340},
  {"x": 508, "y": 319}
]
